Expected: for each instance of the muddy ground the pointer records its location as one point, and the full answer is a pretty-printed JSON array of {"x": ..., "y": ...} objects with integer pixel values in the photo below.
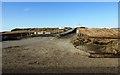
[{"x": 51, "y": 55}]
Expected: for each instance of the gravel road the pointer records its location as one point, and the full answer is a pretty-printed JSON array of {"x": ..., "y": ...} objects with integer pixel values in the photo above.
[{"x": 50, "y": 54}]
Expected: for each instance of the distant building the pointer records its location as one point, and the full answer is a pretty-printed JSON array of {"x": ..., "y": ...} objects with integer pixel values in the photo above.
[
  {"x": 47, "y": 32},
  {"x": 77, "y": 31}
]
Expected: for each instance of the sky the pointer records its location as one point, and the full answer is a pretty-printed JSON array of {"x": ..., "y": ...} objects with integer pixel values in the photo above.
[
  {"x": 60, "y": 0},
  {"x": 59, "y": 14}
]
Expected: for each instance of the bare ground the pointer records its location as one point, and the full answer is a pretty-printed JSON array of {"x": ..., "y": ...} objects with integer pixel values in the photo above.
[{"x": 49, "y": 54}]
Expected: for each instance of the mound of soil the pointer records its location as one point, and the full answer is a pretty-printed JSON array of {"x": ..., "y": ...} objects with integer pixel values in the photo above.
[{"x": 97, "y": 45}]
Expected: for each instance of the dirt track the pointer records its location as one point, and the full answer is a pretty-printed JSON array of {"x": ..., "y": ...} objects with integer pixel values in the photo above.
[{"x": 49, "y": 54}]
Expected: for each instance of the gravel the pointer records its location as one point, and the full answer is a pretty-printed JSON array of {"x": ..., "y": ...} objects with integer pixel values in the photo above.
[{"x": 50, "y": 54}]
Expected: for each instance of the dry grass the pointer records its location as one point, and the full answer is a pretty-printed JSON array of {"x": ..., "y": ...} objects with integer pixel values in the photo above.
[
  {"x": 99, "y": 32},
  {"x": 16, "y": 32}
]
